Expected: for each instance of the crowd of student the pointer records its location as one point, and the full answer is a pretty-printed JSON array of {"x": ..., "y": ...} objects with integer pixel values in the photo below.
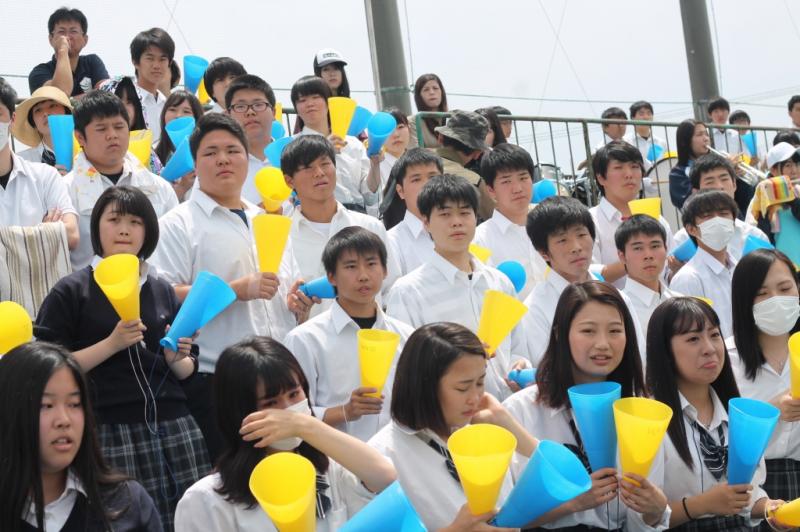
[{"x": 133, "y": 436}]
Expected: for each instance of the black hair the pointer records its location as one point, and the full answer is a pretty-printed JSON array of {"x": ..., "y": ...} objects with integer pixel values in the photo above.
[
  {"x": 24, "y": 373},
  {"x": 718, "y": 103},
  {"x": 748, "y": 276},
  {"x": 706, "y": 163},
  {"x": 126, "y": 200},
  {"x": 174, "y": 74},
  {"x": 556, "y": 213},
  {"x": 303, "y": 151},
  {"x": 64, "y": 14},
  {"x": 8, "y": 96},
  {"x": 613, "y": 113},
  {"x": 616, "y": 150},
  {"x": 399, "y": 116},
  {"x": 252, "y": 82},
  {"x": 356, "y": 239},
  {"x": 430, "y": 122},
  {"x": 98, "y": 104},
  {"x": 638, "y": 106},
  {"x": 152, "y": 37},
  {"x": 505, "y": 158},
  {"x": 704, "y": 202},
  {"x": 213, "y": 122},
  {"x": 494, "y": 125},
  {"x": 396, "y": 210},
  {"x": 554, "y": 375},
  {"x": 737, "y": 116},
  {"x": 638, "y": 224},
  {"x": 443, "y": 188},
  {"x": 127, "y": 88},
  {"x": 308, "y": 86},
  {"x": 676, "y": 316},
  {"x": 344, "y": 88},
  {"x": 787, "y": 135},
  {"x": 29, "y": 118},
  {"x": 221, "y": 68},
  {"x": 683, "y": 140},
  {"x": 239, "y": 369},
  {"x": 794, "y": 100},
  {"x": 427, "y": 355},
  {"x": 165, "y": 147},
  {"x": 500, "y": 111}
]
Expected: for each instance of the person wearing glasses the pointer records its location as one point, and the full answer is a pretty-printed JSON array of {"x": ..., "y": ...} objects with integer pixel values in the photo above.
[{"x": 71, "y": 72}]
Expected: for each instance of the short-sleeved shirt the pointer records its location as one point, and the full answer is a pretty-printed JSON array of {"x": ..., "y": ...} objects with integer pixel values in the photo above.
[
  {"x": 89, "y": 71},
  {"x": 32, "y": 190}
]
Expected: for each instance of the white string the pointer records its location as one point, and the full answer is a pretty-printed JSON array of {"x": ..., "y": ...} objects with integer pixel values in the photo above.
[{"x": 154, "y": 429}]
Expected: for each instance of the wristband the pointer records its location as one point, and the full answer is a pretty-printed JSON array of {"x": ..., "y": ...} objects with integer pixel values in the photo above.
[{"x": 686, "y": 510}]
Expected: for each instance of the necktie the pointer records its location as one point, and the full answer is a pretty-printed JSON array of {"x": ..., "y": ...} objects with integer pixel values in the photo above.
[
  {"x": 715, "y": 457},
  {"x": 578, "y": 449},
  {"x": 323, "y": 501},
  {"x": 48, "y": 157},
  {"x": 448, "y": 460}
]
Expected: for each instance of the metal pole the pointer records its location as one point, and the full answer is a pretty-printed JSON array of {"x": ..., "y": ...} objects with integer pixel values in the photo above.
[
  {"x": 388, "y": 60},
  {"x": 699, "y": 55}
]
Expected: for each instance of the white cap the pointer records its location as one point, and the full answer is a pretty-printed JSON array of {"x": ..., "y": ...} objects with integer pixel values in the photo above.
[
  {"x": 780, "y": 152},
  {"x": 326, "y": 56}
]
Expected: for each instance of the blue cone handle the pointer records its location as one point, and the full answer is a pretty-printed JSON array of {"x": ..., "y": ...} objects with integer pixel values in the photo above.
[
  {"x": 685, "y": 251},
  {"x": 179, "y": 129},
  {"x": 278, "y": 131},
  {"x": 319, "y": 287},
  {"x": 390, "y": 511},
  {"x": 523, "y": 377},
  {"x": 359, "y": 121},
  {"x": 61, "y": 130},
  {"x": 592, "y": 406},
  {"x": 193, "y": 69},
  {"x": 380, "y": 126},
  {"x": 180, "y": 162},
  {"x": 750, "y": 426}
]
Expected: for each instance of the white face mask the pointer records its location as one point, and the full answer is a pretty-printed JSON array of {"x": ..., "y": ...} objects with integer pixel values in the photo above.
[
  {"x": 716, "y": 232},
  {"x": 777, "y": 315},
  {"x": 4, "y": 134},
  {"x": 290, "y": 444}
]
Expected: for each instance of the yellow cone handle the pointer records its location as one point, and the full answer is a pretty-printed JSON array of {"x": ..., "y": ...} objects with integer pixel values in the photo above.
[
  {"x": 480, "y": 252},
  {"x": 641, "y": 424},
  {"x": 16, "y": 327},
  {"x": 648, "y": 206},
  {"x": 278, "y": 111},
  {"x": 499, "y": 315},
  {"x": 140, "y": 145},
  {"x": 376, "y": 350},
  {"x": 284, "y": 484},
  {"x": 341, "y": 111},
  {"x": 118, "y": 277},
  {"x": 202, "y": 93},
  {"x": 271, "y": 232},
  {"x": 788, "y": 514},
  {"x": 272, "y": 187},
  {"x": 794, "y": 361},
  {"x": 481, "y": 454}
]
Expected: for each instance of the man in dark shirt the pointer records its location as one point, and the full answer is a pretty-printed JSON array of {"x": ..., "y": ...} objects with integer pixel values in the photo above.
[{"x": 71, "y": 72}]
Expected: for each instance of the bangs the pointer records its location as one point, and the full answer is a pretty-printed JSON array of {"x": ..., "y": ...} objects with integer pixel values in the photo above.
[
  {"x": 693, "y": 315},
  {"x": 279, "y": 376}
]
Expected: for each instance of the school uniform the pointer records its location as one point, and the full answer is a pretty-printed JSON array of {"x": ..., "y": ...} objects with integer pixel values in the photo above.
[
  {"x": 410, "y": 243},
  {"x": 705, "y": 276},
  {"x": 558, "y": 425},
  {"x": 151, "y": 108},
  {"x": 509, "y": 241},
  {"x": 677, "y": 480},
  {"x": 38, "y": 154},
  {"x": 31, "y": 191},
  {"x": 424, "y": 472},
  {"x": 741, "y": 230},
  {"x": 644, "y": 300},
  {"x": 729, "y": 141},
  {"x": 326, "y": 347}
]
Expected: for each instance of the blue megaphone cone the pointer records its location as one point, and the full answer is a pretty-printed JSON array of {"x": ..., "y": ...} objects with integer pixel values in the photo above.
[
  {"x": 208, "y": 296},
  {"x": 62, "y": 128},
  {"x": 391, "y": 511},
  {"x": 380, "y": 126},
  {"x": 654, "y": 153},
  {"x": 523, "y": 377},
  {"x": 749, "y": 141},
  {"x": 193, "y": 69},
  {"x": 179, "y": 129},
  {"x": 750, "y": 426},
  {"x": 787, "y": 239},
  {"x": 553, "y": 476},
  {"x": 180, "y": 162},
  {"x": 753, "y": 243},
  {"x": 685, "y": 251},
  {"x": 543, "y": 189},
  {"x": 359, "y": 122},
  {"x": 319, "y": 287},
  {"x": 275, "y": 148},
  {"x": 592, "y": 405},
  {"x": 278, "y": 131},
  {"x": 515, "y": 273}
]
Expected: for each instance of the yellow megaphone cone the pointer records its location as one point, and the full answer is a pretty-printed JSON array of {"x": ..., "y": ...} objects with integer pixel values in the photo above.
[
  {"x": 788, "y": 514},
  {"x": 341, "y": 111},
  {"x": 794, "y": 361},
  {"x": 648, "y": 206},
  {"x": 705, "y": 300},
  {"x": 376, "y": 350},
  {"x": 202, "y": 93},
  {"x": 76, "y": 146},
  {"x": 481, "y": 454},
  {"x": 16, "y": 326},
  {"x": 272, "y": 187},
  {"x": 271, "y": 232},
  {"x": 140, "y": 145},
  {"x": 480, "y": 252},
  {"x": 641, "y": 424},
  {"x": 118, "y": 277},
  {"x": 278, "y": 111},
  {"x": 499, "y": 315},
  {"x": 284, "y": 484}
]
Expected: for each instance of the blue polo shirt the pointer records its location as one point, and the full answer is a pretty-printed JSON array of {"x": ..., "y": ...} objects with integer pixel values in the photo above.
[{"x": 89, "y": 71}]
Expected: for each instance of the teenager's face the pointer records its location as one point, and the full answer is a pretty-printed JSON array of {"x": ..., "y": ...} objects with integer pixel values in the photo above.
[
  {"x": 283, "y": 400},
  {"x": 719, "y": 116},
  {"x": 120, "y": 233},
  {"x": 220, "y": 87},
  {"x": 153, "y": 66},
  {"x": 507, "y": 126},
  {"x": 332, "y": 74},
  {"x": 596, "y": 341},
  {"x": 105, "y": 142},
  {"x": 130, "y": 108},
  {"x": 644, "y": 257},
  {"x": 615, "y": 131},
  {"x": 794, "y": 114},
  {"x": 177, "y": 111},
  {"x": 789, "y": 168},
  {"x": 397, "y": 142},
  {"x": 622, "y": 182},
  {"x": 431, "y": 94},
  {"x": 569, "y": 252},
  {"x": 512, "y": 191},
  {"x": 221, "y": 164},
  {"x": 700, "y": 140},
  {"x": 42, "y": 110},
  {"x": 72, "y": 31},
  {"x": 461, "y": 390},
  {"x": 312, "y": 108},
  {"x": 61, "y": 421},
  {"x": 694, "y": 229},
  {"x": 416, "y": 177},
  {"x": 699, "y": 355},
  {"x": 256, "y": 124},
  {"x": 778, "y": 282},
  {"x": 452, "y": 227},
  {"x": 643, "y": 114},
  {"x": 718, "y": 179},
  {"x": 358, "y": 277},
  {"x": 315, "y": 182}
]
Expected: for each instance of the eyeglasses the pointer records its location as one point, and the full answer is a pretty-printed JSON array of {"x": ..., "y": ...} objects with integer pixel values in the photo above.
[
  {"x": 242, "y": 108},
  {"x": 71, "y": 33}
]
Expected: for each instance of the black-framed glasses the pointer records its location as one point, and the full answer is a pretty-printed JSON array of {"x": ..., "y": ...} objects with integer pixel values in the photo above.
[{"x": 242, "y": 108}]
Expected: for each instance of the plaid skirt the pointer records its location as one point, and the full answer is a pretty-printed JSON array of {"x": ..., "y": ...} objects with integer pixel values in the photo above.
[
  {"x": 735, "y": 523},
  {"x": 783, "y": 481},
  {"x": 166, "y": 464}
]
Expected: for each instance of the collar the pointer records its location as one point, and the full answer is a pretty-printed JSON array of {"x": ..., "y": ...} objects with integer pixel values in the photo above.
[
  {"x": 341, "y": 319},
  {"x": 145, "y": 269},
  {"x": 450, "y": 154},
  {"x": 414, "y": 224},
  {"x": 18, "y": 167},
  {"x": 424, "y": 434},
  {"x": 73, "y": 484},
  {"x": 609, "y": 211},
  {"x": 705, "y": 258},
  {"x": 133, "y": 173},
  {"x": 297, "y": 214},
  {"x": 207, "y": 204},
  {"x": 255, "y": 160},
  {"x": 450, "y": 272},
  {"x": 308, "y": 131},
  {"x": 642, "y": 293},
  {"x": 555, "y": 280},
  {"x": 502, "y": 222},
  {"x": 147, "y": 95},
  {"x": 720, "y": 413}
]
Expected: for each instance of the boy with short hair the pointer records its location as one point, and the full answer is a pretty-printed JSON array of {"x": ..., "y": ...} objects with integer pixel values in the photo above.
[
  {"x": 152, "y": 52},
  {"x": 452, "y": 284},
  {"x": 642, "y": 136},
  {"x": 101, "y": 127},
  {"x": 326, "y": 346},
  {"x": 708, "y": 218},
  {"x": 794, "y": 110},
  {"x": 724, "y": 140},
  {"x": 507, "y": 171},
  {"x": 217, "y": 78},
  {"x": 612, "y": 132}
]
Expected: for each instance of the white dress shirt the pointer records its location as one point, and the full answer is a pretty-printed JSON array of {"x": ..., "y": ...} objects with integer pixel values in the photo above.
[
  {"x": 644, "y": 300},
  {"x": 326, "y": 347},
  {"x": 509, "y": 241},
  {"x": 32, "y": 190},
  {"x": 435, "y": 495},
  {"x": 151, "y": 108},
  {"x": 644, "y": 144},
  {"x": 410, "y": 244},
  {"x": 57, "y": 512},
  {"x": 728, "y": 141},
  {"x": 85, "y": 185},
  {"x": 705, "y": 276},
  {"x": 553, "y": 424},
  {"x": 606, "y": 221},
  {"x": 741, "y": 230},
  {"x": 34, "y": 154},
  {"x": 200, "y": 234}
]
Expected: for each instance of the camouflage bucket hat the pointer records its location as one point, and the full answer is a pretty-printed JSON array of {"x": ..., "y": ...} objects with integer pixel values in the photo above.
[{"x": 468, "y": 128}]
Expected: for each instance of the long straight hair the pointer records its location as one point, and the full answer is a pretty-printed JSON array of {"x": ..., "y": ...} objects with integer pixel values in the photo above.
[
  {"x": 673, "y": 317},
  {"x": 344, "y": 88},
  {"x": 683, "y": 141},
  {"x": 24, "y": 373},
  {"x": 554, "y": 375},
  {"x": 165, "y": 147},
  {"x": 431, "y": 123}
]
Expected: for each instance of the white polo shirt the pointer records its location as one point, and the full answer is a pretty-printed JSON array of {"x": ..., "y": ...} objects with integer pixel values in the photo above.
[
  {"x": 644, "y": 301},
  {"x": 200, "y": 234},
  {"x": 409, "y": 243},
  {"x": 741, "y": 230},
  {"x": 32, "y": 190},
  {"x": 326, "y": 347},
  {"x": 151, "y": 107}
]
